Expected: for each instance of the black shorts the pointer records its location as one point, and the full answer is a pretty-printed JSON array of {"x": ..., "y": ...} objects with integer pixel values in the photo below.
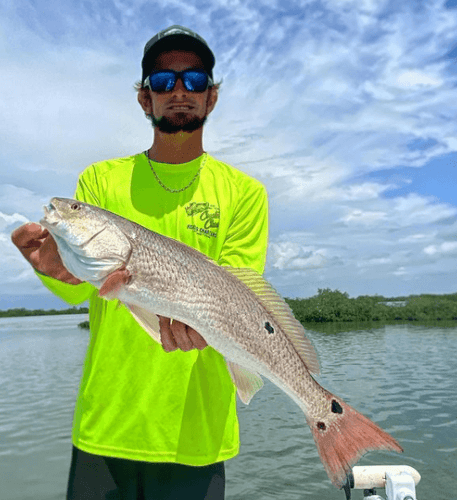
[{"x": 94, "y": 477}]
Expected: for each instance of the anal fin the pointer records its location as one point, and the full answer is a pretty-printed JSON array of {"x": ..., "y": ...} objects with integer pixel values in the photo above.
[{"x": 247, "y": 382}]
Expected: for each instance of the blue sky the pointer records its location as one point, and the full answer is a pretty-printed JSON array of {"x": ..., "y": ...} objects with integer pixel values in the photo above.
[{"x": 344, "y": 109}]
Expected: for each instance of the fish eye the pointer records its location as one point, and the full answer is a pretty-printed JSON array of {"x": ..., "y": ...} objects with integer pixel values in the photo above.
[{"x": 75, "y": 206}]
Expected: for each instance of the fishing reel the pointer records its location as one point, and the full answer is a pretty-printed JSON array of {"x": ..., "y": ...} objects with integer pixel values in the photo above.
[{"x": 399, "y": 482}]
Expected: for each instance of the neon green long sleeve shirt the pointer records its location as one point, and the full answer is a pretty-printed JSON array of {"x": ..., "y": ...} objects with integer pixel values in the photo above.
[{"x": 135, "y": 400}]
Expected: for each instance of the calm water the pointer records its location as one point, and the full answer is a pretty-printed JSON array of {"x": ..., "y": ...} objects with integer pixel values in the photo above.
[{"x": 403, "y": 377}]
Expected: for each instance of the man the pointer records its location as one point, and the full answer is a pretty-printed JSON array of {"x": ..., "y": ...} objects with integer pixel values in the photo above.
[{"x": 155, "y": 422}]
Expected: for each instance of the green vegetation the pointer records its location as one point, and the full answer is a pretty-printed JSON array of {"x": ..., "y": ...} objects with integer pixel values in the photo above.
[
  {"x": 335, "y": 307},
  {"x": 10, "y": 313},
  {"x": 330, "y": 306}
]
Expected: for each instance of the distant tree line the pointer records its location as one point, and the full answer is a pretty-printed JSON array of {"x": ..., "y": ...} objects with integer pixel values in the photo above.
[
  {"x": 41, "y": 312},
  {"x": 335, "y": 306}
]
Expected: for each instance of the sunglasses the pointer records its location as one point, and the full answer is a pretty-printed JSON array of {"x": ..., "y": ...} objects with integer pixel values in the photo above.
[{"x": 194, "y": 80}]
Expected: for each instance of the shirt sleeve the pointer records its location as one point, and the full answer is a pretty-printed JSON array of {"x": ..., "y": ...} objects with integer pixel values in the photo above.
[
  {"x": 247, "y": 238},
  {"x": 72, "y": 294},
  {"x": 87, "y": 191},
  {"x": 88, "y": 188}
]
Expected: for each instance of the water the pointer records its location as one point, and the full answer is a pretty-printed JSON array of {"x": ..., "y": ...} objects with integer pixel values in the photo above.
[
  {"x": 403, "y": 377},
  {"x": 40, "y": 366}
]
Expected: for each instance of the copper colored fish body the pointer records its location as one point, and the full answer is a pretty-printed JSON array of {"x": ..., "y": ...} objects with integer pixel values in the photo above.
[{"x": 236, "y": 311}]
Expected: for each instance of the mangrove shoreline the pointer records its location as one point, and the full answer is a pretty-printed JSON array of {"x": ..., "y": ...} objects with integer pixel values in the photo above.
[
  {"x": 334, "y": 307},
  {"x": 22, "y": 311}
]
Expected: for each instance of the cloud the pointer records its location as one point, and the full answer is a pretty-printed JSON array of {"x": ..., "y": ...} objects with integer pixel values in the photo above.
[
  {"x": 291, "y": 256},
  {"x": 355, "y": 97},
  {"x": 19, "y": 199},
  {"x": 18, "y": 277},
  {"x": 366, "y": 218},
  {"x": 8, "y": 220},
  {"x": 386, "y": 250},
  {"x": 445, "y": 248},
  {"x": 413, "y": 210},
  {"x": 417, "y": 79},
  {"x": 68, "y": 117}
]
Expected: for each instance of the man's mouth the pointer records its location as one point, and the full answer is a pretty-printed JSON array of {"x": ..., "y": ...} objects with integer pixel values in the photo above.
[{"x": 180, "y": 107}]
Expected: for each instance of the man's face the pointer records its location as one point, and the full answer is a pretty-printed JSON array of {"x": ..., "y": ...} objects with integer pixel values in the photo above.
[{"x": 179, "y": 109}]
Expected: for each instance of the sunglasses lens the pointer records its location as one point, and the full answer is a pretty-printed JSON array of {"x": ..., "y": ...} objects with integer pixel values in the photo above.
[
  {"x": 162, "y": 81},
  {"x": 195, "y": 81}
]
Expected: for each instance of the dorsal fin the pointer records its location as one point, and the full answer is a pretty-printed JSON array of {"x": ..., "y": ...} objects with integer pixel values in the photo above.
[{"x": 277, "y": 307}]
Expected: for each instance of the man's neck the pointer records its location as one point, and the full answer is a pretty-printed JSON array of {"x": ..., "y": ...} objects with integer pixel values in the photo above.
[{"x": 181, "y": 147}]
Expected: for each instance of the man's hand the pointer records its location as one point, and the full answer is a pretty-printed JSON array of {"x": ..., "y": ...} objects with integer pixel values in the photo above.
[
  {"x": 39, "y": 248},
  {"x": 176, "y": 335}
]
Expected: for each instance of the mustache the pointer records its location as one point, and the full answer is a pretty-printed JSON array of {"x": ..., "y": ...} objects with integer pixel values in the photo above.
[{"x": 174, "y": 102}]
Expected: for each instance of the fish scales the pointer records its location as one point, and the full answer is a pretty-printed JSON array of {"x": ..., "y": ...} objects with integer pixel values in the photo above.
[
  {"x": 235, "y": 311},
  {"x": 214, "y": 299},
  {"x": 204, "y": 291}
]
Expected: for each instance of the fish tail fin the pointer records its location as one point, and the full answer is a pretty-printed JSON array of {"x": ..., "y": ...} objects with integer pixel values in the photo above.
[{"x": 344, "y": 436}]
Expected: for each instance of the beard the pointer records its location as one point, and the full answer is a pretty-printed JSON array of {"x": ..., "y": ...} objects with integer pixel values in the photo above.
[{"x": 181, "y": 122}]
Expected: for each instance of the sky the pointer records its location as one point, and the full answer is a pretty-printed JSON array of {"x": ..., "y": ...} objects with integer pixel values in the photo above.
[{"x": 344, "y": 109}]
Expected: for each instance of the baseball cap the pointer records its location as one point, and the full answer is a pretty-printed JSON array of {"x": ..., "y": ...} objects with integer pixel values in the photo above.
[{"x": 176, "y": 38}]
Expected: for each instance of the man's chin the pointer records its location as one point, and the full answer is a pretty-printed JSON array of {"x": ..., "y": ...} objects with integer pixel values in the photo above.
[{"x": 179, "y": 122}]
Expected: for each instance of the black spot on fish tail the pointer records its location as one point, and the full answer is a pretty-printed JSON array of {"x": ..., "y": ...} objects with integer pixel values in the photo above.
[
  {"x": 321, "y": 426},
  {"x": 269, "y": 328},
  {"x": 336, "y": 407}
]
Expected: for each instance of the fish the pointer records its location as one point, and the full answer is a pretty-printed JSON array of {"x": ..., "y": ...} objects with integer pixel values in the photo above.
[{"x": 236, "y": 311}]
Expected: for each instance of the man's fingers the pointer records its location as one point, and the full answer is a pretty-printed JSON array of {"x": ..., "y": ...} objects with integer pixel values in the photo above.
[
  {"x": 29, "y": 239},
  {"x": 176, "y": 335},
  {"x": 166, "y": 337},
  {"x": 197, "y": 340},
  {"x": 29, "y": 235},
  {"x": 39, "y": 248},
  {"x": 179, "y": 331}
]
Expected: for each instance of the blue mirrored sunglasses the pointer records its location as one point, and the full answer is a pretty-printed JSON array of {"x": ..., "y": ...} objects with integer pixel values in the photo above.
[{"x": 194, "y": 80}]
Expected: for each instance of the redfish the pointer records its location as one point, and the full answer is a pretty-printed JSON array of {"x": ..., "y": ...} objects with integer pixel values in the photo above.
[{"x": 235, "y": 310}]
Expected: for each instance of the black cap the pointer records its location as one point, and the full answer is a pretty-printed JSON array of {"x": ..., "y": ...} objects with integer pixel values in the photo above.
[{"x": 176, "y": 38}]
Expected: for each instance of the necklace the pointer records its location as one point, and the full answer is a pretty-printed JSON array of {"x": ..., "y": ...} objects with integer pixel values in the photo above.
[{"x": 176, "y": 190}]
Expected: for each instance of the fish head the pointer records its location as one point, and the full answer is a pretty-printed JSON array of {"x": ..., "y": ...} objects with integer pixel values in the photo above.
[{"x": 88, "y": 239}]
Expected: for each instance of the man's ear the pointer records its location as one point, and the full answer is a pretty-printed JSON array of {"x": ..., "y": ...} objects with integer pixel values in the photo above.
[
  {"x": 144, "y": 98},
  {"x": 213, "y": 94}
]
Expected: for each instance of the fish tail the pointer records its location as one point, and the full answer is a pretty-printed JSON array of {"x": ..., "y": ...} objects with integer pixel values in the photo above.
[{"x": 344, "y": 436}]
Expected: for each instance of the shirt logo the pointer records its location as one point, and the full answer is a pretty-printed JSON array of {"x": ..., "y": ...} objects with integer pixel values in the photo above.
[{"x": 206, "y": 218}]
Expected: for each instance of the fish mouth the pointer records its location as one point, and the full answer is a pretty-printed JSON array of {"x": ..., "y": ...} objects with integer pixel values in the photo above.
[
  {"x": 49, "y": 211},
  {"x": 48, "y": 208}
]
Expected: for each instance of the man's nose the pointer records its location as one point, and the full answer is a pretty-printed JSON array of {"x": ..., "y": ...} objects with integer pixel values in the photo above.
[{"x": 179, "y": 87}]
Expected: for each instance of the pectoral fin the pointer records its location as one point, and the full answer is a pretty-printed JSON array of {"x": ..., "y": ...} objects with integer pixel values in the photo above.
[
  {"x": 114, "y": 282},
  {"x": 247, "y": 383},
  {"x": 147, "y": 320}
]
